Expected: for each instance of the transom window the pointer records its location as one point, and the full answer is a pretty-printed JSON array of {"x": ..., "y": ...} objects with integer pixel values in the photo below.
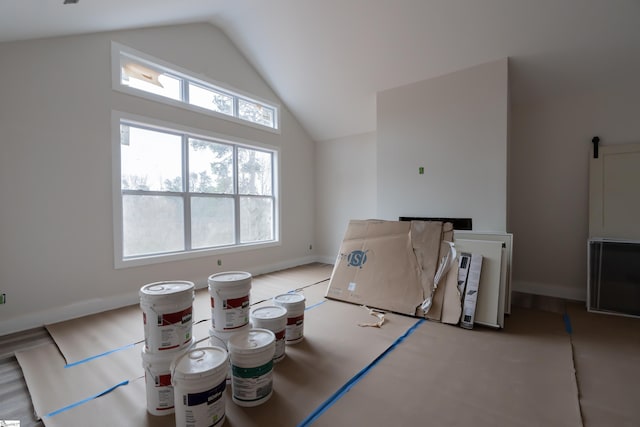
[
  {"x": 183, "y": 193},
  {"x": 142, "y": 75}
]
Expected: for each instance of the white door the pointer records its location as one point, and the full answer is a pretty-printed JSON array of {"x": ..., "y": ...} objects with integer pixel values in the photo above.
[{"x": 614, "y": 192}]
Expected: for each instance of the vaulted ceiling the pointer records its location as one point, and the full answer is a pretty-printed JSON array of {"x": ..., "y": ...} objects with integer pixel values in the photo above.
[{"x": 328, "y": 59}]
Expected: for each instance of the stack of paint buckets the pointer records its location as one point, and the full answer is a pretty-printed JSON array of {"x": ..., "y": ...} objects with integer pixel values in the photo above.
[
  {"x": 251, "y": 351},
  {"x": 294, "y": 304},
  {"x": 167, "y": 310},
  {"x": 189, "y": 381},
  {"x": 229, "y": 293}
]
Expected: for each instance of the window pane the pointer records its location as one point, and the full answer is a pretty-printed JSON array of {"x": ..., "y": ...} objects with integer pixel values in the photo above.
[
  {"x": 150, "y": 160},
  {"x": 152, "y": 224},
  {"x": 139, "y": 76},
  {"x": 212, "y": 222},
  {"x": 210, "y": 167},
  {"x": 256, "y": 219},
  {"x": 255, "y": 113},
  {"x": 210, "y": 99},
  {"x": 254, "y": 174}
]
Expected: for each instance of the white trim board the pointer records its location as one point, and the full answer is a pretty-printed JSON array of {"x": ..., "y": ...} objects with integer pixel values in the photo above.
[{"x": 507, "y": 240}]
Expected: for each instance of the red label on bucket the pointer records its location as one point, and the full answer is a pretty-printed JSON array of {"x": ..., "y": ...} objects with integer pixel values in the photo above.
[
  {"x": 241, "y": 302},
  {"x": 163, "y": 380},
  {"x": 183, "y": 316},
  {"x": 298, "y": 320}
]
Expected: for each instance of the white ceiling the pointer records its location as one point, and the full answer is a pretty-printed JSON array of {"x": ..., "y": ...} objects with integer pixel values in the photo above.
[{"x": 327, "y": 59}]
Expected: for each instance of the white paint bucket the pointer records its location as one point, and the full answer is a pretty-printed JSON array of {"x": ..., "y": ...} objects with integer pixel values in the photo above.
[
  {"x": 273, "y": 318},
  {"x": 157, "y": 378},
  {"x": 295, "y": 305},
  {"x": 251, "y": 356},
  {"x": 167, "y": 309},
  {"x": 199, "y": 381},
  {"x": 229, "y": 294},
  {"x": 221, "y": 338}
]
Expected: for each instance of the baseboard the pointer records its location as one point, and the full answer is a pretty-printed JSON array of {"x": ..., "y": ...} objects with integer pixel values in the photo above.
[
  {"x": 326, "y": 259},
  {"x": 97, "y": 305},
  {"x": 67, "y": 312},
  {"x": 545, "y": 289}
]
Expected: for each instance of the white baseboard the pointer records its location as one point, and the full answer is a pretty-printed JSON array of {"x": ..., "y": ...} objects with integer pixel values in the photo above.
[
  {"x": 326, "y": 259},
  {"x": 558, "y": 291},
  {"x": 67, "y": 312},
  {"x": 97, "y": 305}
]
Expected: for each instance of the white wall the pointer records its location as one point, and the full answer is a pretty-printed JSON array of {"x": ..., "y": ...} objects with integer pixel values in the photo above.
[
  {"x": 455, "y": 126},
  {"x": 345, "y": 188},
  {"x": 56, "y": 245},
  {"x": 548, "y": 195}
]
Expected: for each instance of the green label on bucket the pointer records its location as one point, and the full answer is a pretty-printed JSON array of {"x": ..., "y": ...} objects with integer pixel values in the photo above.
[{"x": 253, "y": 372}]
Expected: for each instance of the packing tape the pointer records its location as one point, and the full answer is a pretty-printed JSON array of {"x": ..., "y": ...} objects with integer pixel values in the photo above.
[
  {"x": 567, "y": 323},
  {"x": 88, "y": 399},
  {"x": 106, "y": 353}
]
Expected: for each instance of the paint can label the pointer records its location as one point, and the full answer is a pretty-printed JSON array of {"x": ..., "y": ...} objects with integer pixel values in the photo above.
[
  {"x": 250, "y": 384},
  {"x": 206, "y": 408}
]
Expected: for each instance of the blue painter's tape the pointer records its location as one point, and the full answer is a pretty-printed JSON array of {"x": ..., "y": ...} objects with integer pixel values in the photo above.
[
  {"x": 88, "y": 359},
  {"x": 315, "y": 305},
  {"x": 356, "y": 378},
  {"x": 83, "y": 401},
  {"x": 567, "y": 323}
]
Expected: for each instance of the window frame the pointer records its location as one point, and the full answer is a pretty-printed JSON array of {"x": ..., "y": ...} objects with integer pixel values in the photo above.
[
  {"x": 119, "y": 50},
  {"x": 120, "y": 261}
]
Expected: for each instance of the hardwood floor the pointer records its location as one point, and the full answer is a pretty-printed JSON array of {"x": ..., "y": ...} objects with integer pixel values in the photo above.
[{"x": 15, "y": 402}]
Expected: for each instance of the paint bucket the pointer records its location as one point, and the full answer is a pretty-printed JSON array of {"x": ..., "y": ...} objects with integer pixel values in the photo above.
[
  {"x": 251, "y": 355},
  {"x": 199, "y": 381},
  {"x": 295, "y": 304},
  {"x": 167, "y": 309},
  {"x": 273, "y": 318},
  {"x": 229, "y": 294},
  {"x": 157, "y": 378},
  {"x": 221, "y": 338}
]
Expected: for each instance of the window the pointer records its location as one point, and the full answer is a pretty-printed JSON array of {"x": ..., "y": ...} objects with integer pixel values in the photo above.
[
  {"x": 183, "y": 193},
  {"x": 139, "y": 74}
]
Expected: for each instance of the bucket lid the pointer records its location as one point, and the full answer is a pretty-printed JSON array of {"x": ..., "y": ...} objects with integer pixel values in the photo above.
[
  {"x": 269, "y": 312},
  {"x": 229, "y": 278},
  {"x": 165, "y": 288},
  {"x": 251, "y": 341},
  {"x": 198, "y": 363},
  {"x": 289, "y": 298}
]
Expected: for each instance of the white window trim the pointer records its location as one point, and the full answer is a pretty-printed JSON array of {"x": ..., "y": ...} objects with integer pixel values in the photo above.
[
  {"x": 119, "y": 260},
  {"x": 117, "y": 49}
]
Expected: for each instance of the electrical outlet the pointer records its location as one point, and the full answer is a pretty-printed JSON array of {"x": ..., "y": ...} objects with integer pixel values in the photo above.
[{"x": 3, "y": 298}]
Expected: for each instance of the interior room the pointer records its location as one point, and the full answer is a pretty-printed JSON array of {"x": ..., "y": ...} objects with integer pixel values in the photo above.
[{"x": 519, "y": 116}]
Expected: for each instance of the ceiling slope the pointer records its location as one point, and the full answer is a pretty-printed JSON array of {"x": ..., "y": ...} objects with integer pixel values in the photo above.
[{"x": 328, "y": 59}]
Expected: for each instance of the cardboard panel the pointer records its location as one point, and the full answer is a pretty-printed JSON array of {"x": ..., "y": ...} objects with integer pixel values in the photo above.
[
  {"x": 52, "y": 386},
  {"x": 377, "y": 267},
  {"x": 607, "y": 357},
  {"x": 390, "y": 265},
  {"x": 445, "y": 376}
]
